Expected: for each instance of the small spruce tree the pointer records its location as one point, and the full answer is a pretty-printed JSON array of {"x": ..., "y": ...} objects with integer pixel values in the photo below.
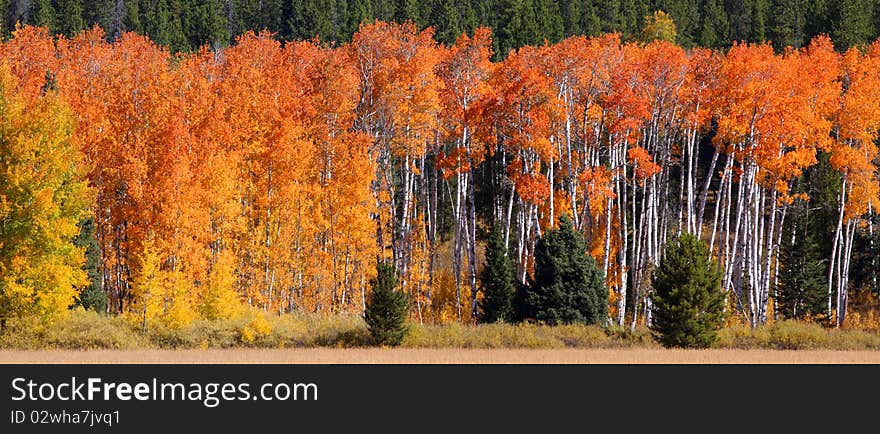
[
  {"x": 688, "y": 302},
  {"x": 567, "y": 285},
  {"x": 386, "y": 309},
  {"x": 498, "y": 279},
  {"x": 801, "y": 292},
  {"x": 91, "y": 296}
]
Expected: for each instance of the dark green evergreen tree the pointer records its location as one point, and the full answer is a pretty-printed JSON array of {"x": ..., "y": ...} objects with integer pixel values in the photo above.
[
  {"x": 741, "y": 19},
  {"x": 448, "y": 25},
  {"x": 407, "y": 10},
  {"x": 714, "y": 26},
  {"x": 550, "y": 25},
  {"x": 384, "y": 9},
  {"x": 206, "y": 24},
  {"x": 186, "y": 25},
  {"x": 159, "y": 23},
  {"x": 610, "y": 16},
  {"x": 43, "y": 14},
  {"x": 686, "y": 15},
  {"x": 498, "y": 280},
  {"x": 852, "y": 23},
  {"x": 132, "y": 20},
  {"x": 517, "y": 25},
  {"x": 311, "y": 18},
  {"x": 567, "y": 286},
  {"x": 387, "y": 307},
  {"x": 760, "y": 18},
  {"x": 359, "y": 11},
  {"x": 688, "y": 301},
  {"x": 818, "y": 20},
  {"x": 70, "y": 17},
  {"x": 788, "y": 23},
  {"x": 91, "y": 296},
  {"x": 572, "y": 14},
  {"x": 865, "y": 268},
  {"x": 802, "y": 289}
]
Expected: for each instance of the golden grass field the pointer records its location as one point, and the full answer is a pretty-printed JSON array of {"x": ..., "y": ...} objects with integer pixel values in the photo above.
[{"x": 442, "y": 356}]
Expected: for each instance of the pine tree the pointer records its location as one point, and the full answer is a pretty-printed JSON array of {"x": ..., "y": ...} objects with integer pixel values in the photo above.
[
  {"x": 359, "y": 11},
  {"x": 91, "y": 296},
  {"x": 207, "y": 24},
  {"x": 852, "y": 23},
  {"x": 407, "y": 10},
  {"x": 760, "y": 17},
  {"x": 386, "y": 309},
  {"x": 310, "y": 18},
  {"x": 549, "y": 21},
  {"x": 43, "y": 14},
  {"x": 686, "y": 15},
  {"x": 70, "y": 17},
  {"x": 688, "y": 301},
  {"x": 713, "y": 25},
  {"x": 498, "y": 280},
  {"x": 568, "y": 285},
  {"x": 788, "y": 23},
  {"x": 801, "y": 292},
  {"x": 132, "y": 19},
  {"x": 446, "y": 21}
]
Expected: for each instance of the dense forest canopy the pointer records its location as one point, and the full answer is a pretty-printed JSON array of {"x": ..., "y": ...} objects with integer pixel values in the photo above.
[
  {"x": 277, "y": 174},
  {"x": 185, "y": 25}
]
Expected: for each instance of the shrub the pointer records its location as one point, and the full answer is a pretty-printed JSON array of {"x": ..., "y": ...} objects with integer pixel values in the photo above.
[
  {"x": 257, "y": 327},
  {"x": 743, "y": 336},
  {"x": 386, "y": 310},
  {"x": 688, "y": 302},
  {"x": 77, "y": 329},
  {"x": 795, "y": 335}
]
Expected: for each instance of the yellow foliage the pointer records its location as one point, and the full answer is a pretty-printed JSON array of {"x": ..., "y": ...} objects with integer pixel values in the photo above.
[
  {"x": 219, "y": 299},
  {"x": 863, "y": 312},
  {"x": 43, "y": 195},
  {"x": 161, "y": 295},
  {"x": 659, "y": 26},
  {"x": 255, "y": 328}
]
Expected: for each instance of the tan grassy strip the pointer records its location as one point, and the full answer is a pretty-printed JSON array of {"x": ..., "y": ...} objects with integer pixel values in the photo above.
[{"x": 440, "y": 356}]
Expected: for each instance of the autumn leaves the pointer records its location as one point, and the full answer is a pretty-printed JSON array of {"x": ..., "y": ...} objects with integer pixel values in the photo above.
[{"x": 275, "y": 175}]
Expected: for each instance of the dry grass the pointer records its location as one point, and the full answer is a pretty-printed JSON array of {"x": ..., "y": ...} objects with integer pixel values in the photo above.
[
  {"x": 442, "y": 356},
  {"x": 87, "y": 337}
]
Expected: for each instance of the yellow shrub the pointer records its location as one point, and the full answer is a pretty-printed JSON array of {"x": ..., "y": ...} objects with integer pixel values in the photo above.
[
  {"x": 258, "y": 327},
  {"x": 219, "y": 300}
]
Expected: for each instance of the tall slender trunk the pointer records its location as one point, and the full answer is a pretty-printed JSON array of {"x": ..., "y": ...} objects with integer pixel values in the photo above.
[
  {"x": 835, "y": 245},
  {"x": 472, "y": 246}
]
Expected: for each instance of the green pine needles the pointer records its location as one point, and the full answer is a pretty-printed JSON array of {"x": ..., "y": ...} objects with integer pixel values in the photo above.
[
  {"x": 688, "y": 301},
  {"x": 91, "y": 296},
  {"x": 801, "y": 290},
  {"x": 567, "y": 287},
  {"x": 386, "y": 310},
  {"x": 498, "y": 279}
]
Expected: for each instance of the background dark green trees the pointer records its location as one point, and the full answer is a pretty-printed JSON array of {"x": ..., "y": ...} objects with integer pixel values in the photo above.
[
  {"x": 92, "y": 296},
  {"x": 188, "y": 24}
]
